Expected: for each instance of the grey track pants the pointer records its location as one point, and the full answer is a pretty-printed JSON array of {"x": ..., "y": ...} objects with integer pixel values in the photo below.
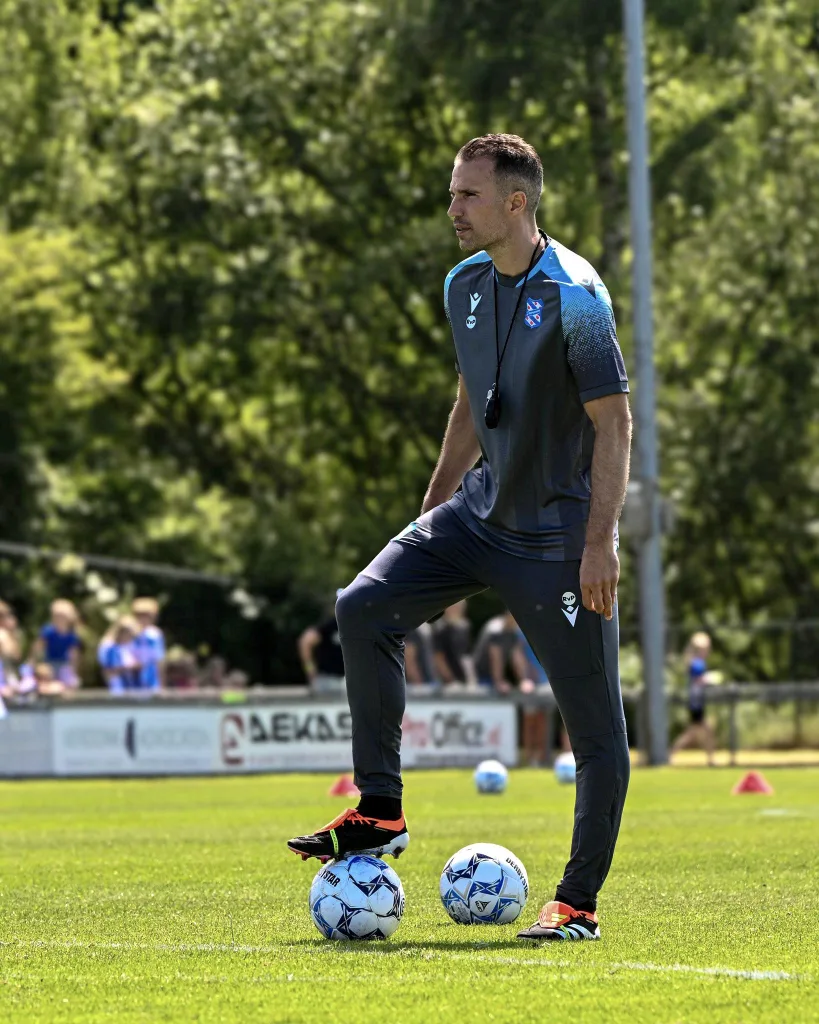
[{"x": 438, "y": 561}]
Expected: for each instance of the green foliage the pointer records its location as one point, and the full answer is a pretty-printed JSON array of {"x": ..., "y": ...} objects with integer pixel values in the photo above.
[{"x": 222, "y": 247}]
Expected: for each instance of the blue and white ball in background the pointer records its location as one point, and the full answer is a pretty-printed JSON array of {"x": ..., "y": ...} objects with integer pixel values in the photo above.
[
  {"x": 359, "y": 897},
  {"x": 491, "y": 777},
  {"x": 484, "y": 884},
  {"x": 565, "y": 768}
]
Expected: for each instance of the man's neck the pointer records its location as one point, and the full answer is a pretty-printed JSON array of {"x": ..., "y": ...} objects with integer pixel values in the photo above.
[{"x": 513, "y": 256}]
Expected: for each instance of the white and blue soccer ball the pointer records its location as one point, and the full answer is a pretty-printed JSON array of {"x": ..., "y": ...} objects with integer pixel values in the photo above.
[
  {"x": 491, "y": 777},
  {"x": 358, "y": 897},
  {"x": 484, "y": 884},
  {"x": 565, "y": 768}
]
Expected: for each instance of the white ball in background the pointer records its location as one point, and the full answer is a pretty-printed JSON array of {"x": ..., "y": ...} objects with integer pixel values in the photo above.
[
  {"x": 491, "y": 777},
  {"x": 565, "y": 768}
]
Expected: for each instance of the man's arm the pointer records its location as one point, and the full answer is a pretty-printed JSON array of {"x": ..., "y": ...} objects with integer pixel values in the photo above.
[
  {"x": 459, "y": 452},
  {"x": 497, "y": 667},
  {"x": 412, "y": 665},
  {"x": 309, "y": 639},
  {"x": 600, "y": 568},
  {"x": 442, "y": 668}
]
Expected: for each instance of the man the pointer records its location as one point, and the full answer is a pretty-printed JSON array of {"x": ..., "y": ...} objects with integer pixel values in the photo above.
[
  {"x": 452, "y": 637},
  {"x": 542, "y": 398},
  {"x": 419, "y": 660},
  {"x": 321, "y": 655},
  {"x": 499, "y": 647}
]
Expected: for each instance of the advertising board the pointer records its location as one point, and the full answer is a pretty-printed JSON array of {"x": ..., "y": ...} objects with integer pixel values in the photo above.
[
  {"x": 288, "y": 736},
  {"x": 134, "y": 741}
]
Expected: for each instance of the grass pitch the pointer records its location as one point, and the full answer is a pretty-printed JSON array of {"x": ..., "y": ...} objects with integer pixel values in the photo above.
[{"x": 176, "y": 900}]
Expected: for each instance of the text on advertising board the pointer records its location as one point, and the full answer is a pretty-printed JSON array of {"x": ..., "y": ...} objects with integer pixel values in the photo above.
[{"x": 240, "y": 731}]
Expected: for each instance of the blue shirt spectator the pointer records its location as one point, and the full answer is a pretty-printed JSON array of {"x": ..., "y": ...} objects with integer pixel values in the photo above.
[
  {"x": 58, "y": 644},
  {"x": 149, "y": 646},
  {"x": 118, "y": 657},
  {"x": 149, "y": 643}
]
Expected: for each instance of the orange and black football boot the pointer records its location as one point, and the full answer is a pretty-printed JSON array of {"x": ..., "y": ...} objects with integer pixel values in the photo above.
[
  {"x": 352, "y": 832},
  {"x": 558, "y": 922}
]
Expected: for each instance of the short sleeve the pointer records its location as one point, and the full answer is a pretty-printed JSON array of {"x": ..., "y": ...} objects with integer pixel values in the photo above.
[
  {"x": 449, "y": 319},
  {"x": 593, "y": 351}
]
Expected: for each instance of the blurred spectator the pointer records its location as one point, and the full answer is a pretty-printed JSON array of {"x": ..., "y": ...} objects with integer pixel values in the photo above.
[
  {"x": 9, "y": 650},
  {"x": 58, "y": 643},
  {"x": 452, "y": 644},
  {"x": 699, "y": 731},
  {"x": 419, "y": 655},
  {"x": 46, "y": 684},
  {"x": 214, "y": 674},
  {"x": 236, "y": 680},
  {"x": 181, "y": 671},
  {"x": 534, "y": 719},
  {"x": 149, "y": 643},
  {"x": 497, "y": 651},
  {"x": 321, "y": 657},
  {"x": 118, "y": 657}
]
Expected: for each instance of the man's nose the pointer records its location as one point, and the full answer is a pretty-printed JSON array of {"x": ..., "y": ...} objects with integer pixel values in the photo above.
[{"x": 454, "y": 209}]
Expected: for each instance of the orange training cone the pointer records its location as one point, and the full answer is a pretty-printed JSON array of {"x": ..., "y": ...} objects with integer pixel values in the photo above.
[
  {"x": 344, "y": 786},
  {"x": 753, "y": 782}
]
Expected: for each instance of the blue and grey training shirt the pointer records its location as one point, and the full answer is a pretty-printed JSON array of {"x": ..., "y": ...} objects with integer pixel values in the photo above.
[{"x": 530, "y": 494}]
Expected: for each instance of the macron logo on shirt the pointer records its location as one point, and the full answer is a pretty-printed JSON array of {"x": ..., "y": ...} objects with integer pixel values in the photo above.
[{"x": 474, "y": 302}]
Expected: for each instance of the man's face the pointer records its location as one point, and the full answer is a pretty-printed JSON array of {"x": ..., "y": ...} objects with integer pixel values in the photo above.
[{"x": 480, "y": 214}]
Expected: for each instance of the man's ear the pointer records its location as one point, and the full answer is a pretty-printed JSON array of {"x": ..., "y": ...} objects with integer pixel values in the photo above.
[{"x": 517, "y": 202}]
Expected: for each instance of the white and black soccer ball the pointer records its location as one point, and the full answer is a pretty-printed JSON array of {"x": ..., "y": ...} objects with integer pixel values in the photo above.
[
  {"x": 358, "y": 897},
  {"x": 491, "y": 777},
  {"x": 484, "y": 884},
  {"x": 565, "y": 768}
]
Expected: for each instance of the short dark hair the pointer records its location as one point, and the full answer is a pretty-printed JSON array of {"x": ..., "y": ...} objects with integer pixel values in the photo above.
[{"x": 517, "y": 164}]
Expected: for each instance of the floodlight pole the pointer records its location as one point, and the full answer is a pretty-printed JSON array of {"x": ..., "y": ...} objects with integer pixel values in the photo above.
[{"x": 652, "y": 597}]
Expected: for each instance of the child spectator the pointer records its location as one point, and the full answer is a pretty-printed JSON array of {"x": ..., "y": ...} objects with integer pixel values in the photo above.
[
  {"x": 149, "y": 643},
  {"x": 58, "y": 643},
  {"x": 182, "y": 673},
  {"x": 118, "y": 657},
  {"x": 47, "y": 685}
]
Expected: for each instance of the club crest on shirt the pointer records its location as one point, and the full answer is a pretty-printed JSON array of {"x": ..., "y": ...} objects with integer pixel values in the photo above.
[{"x": 534, "y": 313}]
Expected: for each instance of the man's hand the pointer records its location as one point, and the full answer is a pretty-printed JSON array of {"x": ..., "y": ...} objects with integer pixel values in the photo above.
[{"x": 599, "y": 573}]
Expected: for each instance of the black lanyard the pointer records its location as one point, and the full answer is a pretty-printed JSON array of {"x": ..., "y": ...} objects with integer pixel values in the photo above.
[{"x": 492, "y": 412}]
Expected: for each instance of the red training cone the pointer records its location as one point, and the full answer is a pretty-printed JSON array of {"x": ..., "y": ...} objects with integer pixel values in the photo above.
[
  {"x": 344, "y": 786},
  {"x": 753, "y": 782}
]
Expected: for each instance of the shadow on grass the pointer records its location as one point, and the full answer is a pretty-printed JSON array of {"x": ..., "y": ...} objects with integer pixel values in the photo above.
[{"x": 415, "y": 947}]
